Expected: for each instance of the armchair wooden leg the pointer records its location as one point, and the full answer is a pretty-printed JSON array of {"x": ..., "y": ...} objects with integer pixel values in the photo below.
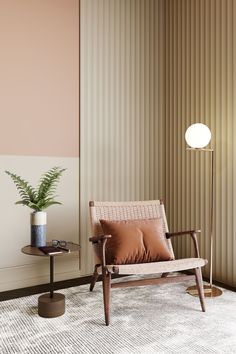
[
  {"x": 106, "y": 282},
  {"x": 199, "y": 283},
  {"x": 164, "y": 275},
  {"x": 94, "y": 279}
]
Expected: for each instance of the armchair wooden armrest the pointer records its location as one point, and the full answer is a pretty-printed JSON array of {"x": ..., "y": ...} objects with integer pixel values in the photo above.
[
  {"x": 99, "y": 244},
  {"x": 180, "y": 233},
  {"x": 95, "y": 239},
  {"x": 192, "y": 233}
]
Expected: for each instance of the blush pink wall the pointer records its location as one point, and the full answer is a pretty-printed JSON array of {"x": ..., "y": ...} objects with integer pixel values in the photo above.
[{"x": 39, "y": 77}]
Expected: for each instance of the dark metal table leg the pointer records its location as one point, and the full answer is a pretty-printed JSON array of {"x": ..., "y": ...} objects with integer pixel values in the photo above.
[
  {"x": 51, "y": 275},
  {"x": 52, "y": 304}
]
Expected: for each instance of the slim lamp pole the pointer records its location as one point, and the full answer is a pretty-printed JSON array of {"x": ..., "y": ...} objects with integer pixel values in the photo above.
[{"x": 212, "y": 205}]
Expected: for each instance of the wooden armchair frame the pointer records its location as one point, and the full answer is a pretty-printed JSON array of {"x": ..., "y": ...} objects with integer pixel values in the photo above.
[{"x": 99, "y": 245}]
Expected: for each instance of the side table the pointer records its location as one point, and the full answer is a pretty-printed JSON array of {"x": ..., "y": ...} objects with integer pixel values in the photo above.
[{"x": 51, "y": 304}]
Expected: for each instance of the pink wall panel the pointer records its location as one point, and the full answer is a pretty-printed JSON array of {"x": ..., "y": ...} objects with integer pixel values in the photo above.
[{"x": 39, "y": 77}]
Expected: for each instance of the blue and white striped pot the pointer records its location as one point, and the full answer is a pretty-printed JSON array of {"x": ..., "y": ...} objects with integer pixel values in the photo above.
[{"x": 38, "y": 222}]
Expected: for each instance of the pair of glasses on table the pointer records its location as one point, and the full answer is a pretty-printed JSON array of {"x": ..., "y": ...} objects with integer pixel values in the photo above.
[{"x": 60, "y": 244}]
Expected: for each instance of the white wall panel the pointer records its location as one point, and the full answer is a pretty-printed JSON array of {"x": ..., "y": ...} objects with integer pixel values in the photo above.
[{"x": 18, "y": 270}]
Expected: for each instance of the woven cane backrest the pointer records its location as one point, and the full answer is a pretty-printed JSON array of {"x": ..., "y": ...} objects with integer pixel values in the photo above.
[{"x": 127, "y": 211}]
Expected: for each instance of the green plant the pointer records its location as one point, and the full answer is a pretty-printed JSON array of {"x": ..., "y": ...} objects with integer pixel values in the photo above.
[{"x": 42, "y": 196}]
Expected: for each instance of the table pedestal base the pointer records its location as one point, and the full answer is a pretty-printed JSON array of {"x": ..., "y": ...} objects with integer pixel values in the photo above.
[
  {"x": 209, "y": 291},
  {"x": 51, "y": 306}
]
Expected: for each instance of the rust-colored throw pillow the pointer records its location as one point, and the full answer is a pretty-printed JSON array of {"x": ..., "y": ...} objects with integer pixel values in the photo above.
[{"x": 135, "y": 241}]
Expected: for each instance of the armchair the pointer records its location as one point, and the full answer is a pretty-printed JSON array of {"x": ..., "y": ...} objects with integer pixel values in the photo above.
[{"x": 142, "y": 211}]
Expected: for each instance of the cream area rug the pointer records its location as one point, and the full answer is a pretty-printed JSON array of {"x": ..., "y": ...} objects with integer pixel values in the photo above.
[{"x": 152, "y": 319}]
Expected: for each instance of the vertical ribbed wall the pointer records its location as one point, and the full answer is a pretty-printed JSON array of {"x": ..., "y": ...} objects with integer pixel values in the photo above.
[
  {"x": 118, "y": 104},
  {"x": 200, "y": 80},
  {"x": 149, "y": 69}
]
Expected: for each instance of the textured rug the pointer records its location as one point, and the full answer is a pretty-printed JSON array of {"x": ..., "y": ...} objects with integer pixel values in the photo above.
[{"x": 153, "y": 319}]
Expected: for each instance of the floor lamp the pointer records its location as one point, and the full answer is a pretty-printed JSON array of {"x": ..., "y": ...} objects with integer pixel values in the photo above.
[{"x": 198, "y": 136}]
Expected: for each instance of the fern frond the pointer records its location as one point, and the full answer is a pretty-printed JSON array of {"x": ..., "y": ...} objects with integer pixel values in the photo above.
[
  {"x": 26, "y": 191},
  {"x": 48, "y": 183},
  {"x": 22, "y": 202},
  {"x": 47, "y": 204}
]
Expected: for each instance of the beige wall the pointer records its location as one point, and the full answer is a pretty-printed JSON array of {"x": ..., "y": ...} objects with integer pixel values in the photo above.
[
  {"x": 200, "y": 56},
  {"x": 119, "y": 102},
  {"x": 150, "y": 69},
  {"x": 39, "y": 114}
]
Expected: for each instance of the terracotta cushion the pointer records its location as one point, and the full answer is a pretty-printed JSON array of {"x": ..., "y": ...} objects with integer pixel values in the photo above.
[{"x": 135, "y": 241}]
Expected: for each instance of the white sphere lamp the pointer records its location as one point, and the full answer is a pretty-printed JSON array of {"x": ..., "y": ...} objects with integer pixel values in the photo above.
[{"x": 198, "y": 136}]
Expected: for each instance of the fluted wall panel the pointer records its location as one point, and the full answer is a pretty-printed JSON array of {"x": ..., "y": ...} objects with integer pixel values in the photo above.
[
  {"x": 149, "y": 69},
  {"x": 200, "y": 80},
  {"x": 118, "y": 104}
]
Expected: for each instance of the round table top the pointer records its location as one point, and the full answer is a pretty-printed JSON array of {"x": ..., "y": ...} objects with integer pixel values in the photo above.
[{"x": 35, "y": 251}]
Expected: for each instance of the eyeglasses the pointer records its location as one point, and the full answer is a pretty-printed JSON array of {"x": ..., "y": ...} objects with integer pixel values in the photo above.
[{"x": 59, "y": 243}]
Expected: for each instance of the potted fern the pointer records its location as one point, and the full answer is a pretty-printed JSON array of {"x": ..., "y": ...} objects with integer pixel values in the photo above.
[{"x": 38, "y": 199}]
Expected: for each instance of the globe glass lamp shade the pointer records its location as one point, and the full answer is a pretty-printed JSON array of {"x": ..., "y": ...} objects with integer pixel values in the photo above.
[{"x": 198, "y": 136}]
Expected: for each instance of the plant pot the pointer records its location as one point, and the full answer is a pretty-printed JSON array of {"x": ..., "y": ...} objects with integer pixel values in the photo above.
[{"x": 38, "y": 221}]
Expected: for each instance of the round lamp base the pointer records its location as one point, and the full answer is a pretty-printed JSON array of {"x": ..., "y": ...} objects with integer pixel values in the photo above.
[
  {"x": 209, "y": 291},
  {"x": 51, "y": 306}
]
